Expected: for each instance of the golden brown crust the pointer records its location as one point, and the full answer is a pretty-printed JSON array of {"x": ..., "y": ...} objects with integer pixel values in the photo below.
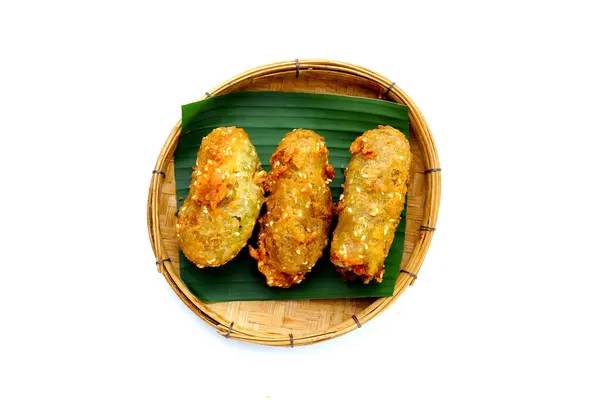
[
  {"x": 369, "y": 209},
  {"x": 219, "y": 214},
  {"x": 294, "y": 231}
]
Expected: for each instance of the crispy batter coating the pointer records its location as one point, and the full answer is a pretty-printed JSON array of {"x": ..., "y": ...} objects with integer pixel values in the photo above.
[
  {"x": 369, "y": 209},
  {"x": 295, "y": 229},
  {"x": 225, "y": 198}
]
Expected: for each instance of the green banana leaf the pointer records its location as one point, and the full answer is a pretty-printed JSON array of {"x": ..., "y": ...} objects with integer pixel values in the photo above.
[{"x": 267, "y": 117}]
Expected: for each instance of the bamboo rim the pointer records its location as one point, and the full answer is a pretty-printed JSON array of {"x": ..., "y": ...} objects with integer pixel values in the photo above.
[{"x": 431, "y": 162}]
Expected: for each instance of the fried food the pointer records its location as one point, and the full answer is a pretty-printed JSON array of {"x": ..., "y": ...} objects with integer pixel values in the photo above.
[
  {"x": 224, "y": 201},
  {"x": 295, "y": 229},
  {"x": 369, "y": 209}
]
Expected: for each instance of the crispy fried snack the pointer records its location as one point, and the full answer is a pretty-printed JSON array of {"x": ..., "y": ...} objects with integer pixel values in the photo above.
[
  {"x": 369, "y": 209},
  {"x": 295, "y": 229},
  {"x": 225, "y": 198}
]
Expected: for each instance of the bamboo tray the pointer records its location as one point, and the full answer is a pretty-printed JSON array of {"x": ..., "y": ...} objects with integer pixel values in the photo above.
[{"x": 301, "y": 322}]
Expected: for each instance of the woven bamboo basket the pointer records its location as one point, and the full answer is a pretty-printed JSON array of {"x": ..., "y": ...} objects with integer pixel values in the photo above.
[{"x": 301, "y": 322}]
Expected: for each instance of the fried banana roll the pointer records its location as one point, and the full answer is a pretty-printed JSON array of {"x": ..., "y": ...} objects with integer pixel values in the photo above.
[
  {"x": 224, "y": 201},
  {"x": 295, "y": 229},
  {"x": 369, "y": 209}
]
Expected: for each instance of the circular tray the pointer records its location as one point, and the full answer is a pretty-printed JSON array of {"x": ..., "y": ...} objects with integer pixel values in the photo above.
[{"x": 300, "y": 322}]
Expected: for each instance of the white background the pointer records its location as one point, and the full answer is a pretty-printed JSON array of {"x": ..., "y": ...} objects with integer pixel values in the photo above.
[{"x": 507, "y": 302}]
